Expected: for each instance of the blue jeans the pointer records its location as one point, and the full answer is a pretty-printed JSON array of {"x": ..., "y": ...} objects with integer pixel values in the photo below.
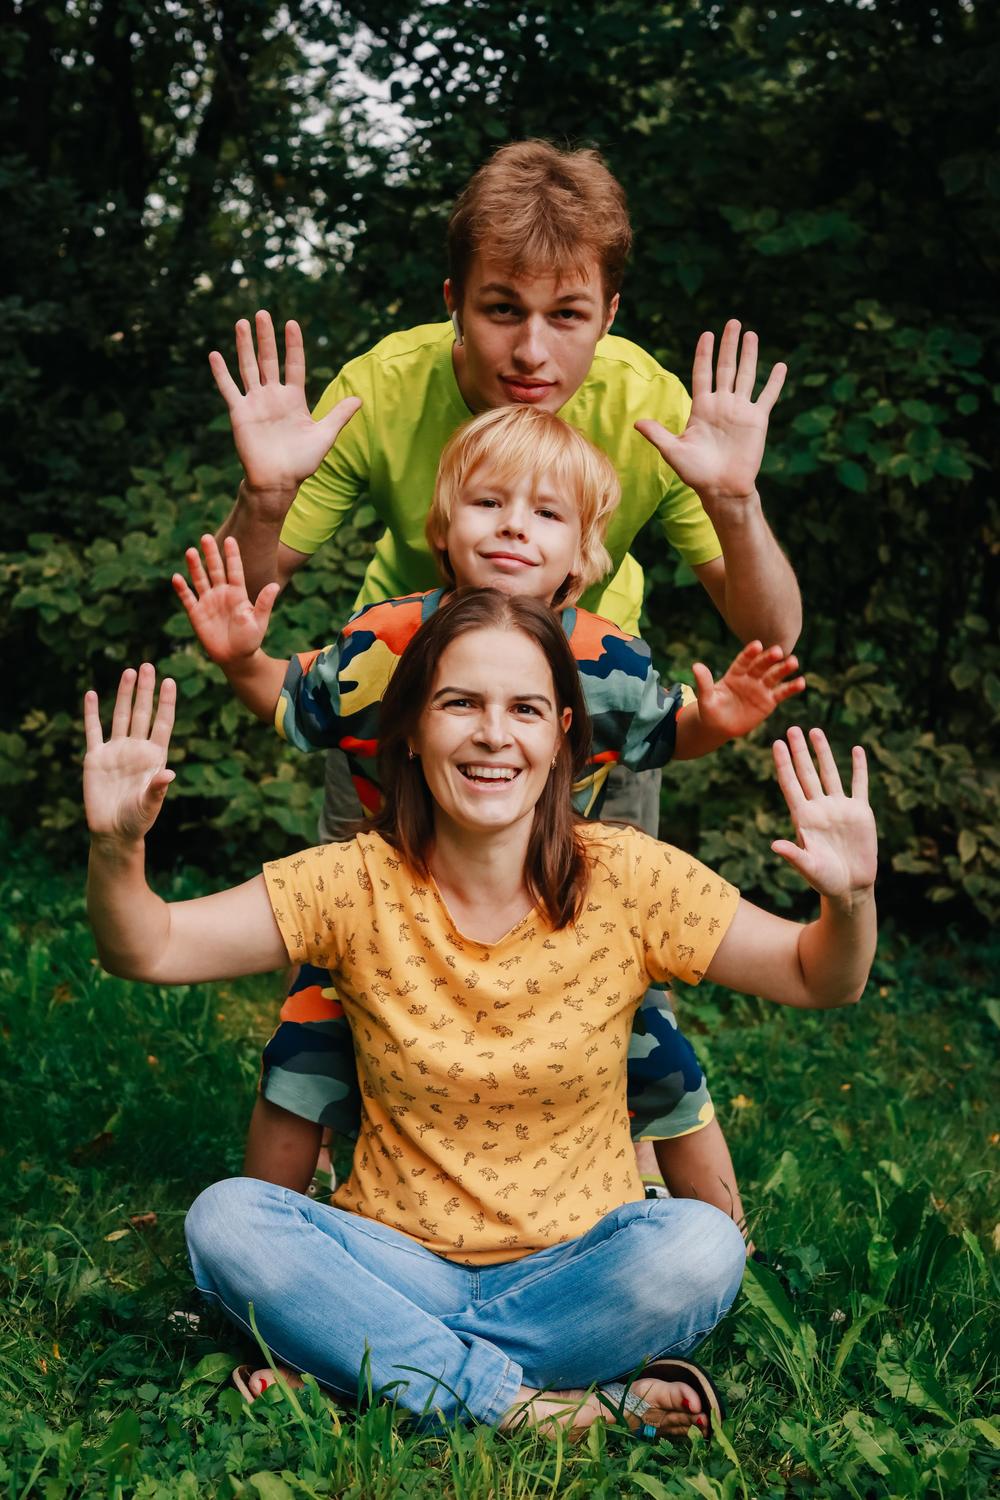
[{"x": 651, "y": 1278}]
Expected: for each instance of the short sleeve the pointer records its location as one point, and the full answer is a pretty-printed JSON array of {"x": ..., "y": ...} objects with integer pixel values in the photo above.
[
  {"x": 651, "y": 732},
  {"x": 342, "y": 479},
  {"x": 684, "y": 910},
  {"x": 317, "y": 898},
  {"x": 308, "y": 709}
]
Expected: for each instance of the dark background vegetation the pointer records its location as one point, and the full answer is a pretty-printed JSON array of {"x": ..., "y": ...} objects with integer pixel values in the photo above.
[{"x": 830, "y": 174}]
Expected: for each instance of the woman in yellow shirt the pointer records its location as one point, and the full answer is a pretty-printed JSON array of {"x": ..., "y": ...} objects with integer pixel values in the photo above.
[{"x": 485, "y": 1252}]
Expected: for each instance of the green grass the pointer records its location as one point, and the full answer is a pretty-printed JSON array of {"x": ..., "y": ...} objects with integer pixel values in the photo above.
[{"x": 864, "y": 1141}]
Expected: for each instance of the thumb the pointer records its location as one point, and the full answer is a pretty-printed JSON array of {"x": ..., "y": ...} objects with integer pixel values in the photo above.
[
  {"x": 264, "y": 605},
  {"x": 794, "y": 855},
  {"x": 661, "y": 439},
  {"x": 156, "y": 790},
  {"x": 704, "y": 682},
  {"x": 336, "y": 420}
]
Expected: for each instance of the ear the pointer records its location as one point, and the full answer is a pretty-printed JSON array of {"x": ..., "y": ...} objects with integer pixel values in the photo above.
[
  {"x": 609, "y": 316},
  {"x": 449, "y": 298},
  {"x": 566, "y": 719}
]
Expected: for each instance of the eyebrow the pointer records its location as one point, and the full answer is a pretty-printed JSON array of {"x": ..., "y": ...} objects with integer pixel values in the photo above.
[
  {"x": 471, "y": 693},
  {"x": 497, "y": 288}
]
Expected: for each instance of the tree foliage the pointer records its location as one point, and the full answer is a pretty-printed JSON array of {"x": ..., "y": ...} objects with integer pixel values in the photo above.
[{"x": 828, "y": 173}]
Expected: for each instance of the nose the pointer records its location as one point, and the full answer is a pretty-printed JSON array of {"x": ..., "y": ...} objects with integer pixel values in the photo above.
[
  {"x": 530, "y": 349},
  {"x": 491, "y": 730},
  {"x": 515, "y": 520}
]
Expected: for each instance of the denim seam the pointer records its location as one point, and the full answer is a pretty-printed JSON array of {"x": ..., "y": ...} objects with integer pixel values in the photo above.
[{"x": 358, "y": 1223}]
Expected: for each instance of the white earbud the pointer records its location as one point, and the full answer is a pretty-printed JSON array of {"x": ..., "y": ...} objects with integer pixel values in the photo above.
[{"x": 457, "y": 327}]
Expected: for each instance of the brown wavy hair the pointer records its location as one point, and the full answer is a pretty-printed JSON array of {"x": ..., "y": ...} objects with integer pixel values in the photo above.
[
  {"x": 556, "y": 867},
  {"x": 541, "y": 210}
]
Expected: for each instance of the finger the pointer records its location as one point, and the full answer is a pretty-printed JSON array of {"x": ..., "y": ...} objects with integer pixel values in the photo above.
[
  {"x": 154, "y": 793},
  {"x": 725, "y": 373},
  {"x": 749, "y": 659},
  {"x": 93, "y": 733},
  {"x": 142, "y": 713},
  {"x": 249, "y": 373},
  {"x": 227, "y": 387},
  {"x": 795, "y": 856},
  {"x": 787, "y": 779},
  {"x": 859, "y": 774},
  {"x": 784, "y": 690},
  {"x": 184, "y": 594},
  {"x": 164, "y": 722},
  {"x": 267, "y": 349},
  {"x": 295, "y": 355},
  {"x": 264, "y": 605},
  {"x": 773, "y": 665},
  {"x": 832, "y": 783},
  {"x": 704, "y": 682},
  {"x": 123, "y": 704},
  {"x": 746, "y": 369},
  {"x": 213, "y": 560},
  {"x": 701, "y": 370},
  {"x": 657, "y": 434},
  {"x": 772, "y": 389},
  {"x": 234, "y": 563},
  {"x": 802, "y": 761},
  {"x": 198, "y": 576},
  {"x": 337, "y": 419}
]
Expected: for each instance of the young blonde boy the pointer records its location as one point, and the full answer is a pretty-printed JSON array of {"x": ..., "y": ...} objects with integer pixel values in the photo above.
[{"x": 521, "y": 503}]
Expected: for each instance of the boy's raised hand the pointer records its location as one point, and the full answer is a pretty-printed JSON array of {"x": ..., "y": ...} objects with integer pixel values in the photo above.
[
  {"x": 754, "y": 685},
  {"x": 836, "y": 847},
  {"x": 719, "y": 452},
  {"x": 278, "y": 442},
  {"x": 125, "y": 777},
  {"x": 228, "y": 626}
]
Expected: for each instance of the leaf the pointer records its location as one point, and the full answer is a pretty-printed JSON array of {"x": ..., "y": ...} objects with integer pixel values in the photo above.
[
  {"x": 851, "y": 1337},
  {"x": 651, "y": 1486},
  {"x": 211, "y": 1367},
  {"x": 909, "y": 1382},
  {"x": 968, "y": 846},
  {"x": 117, "y": 1234},
  {"x": 877, "y": 1444},
  {"x": 992, "y": 1009},
  {"x": 988, "y": 1429},
  {"x": 271, "y": 1487},
  {"x": 852, "y": 476}
]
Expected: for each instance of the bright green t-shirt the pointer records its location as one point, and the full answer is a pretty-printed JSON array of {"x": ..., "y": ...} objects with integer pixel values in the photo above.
[{"x": 388, "y": 454}]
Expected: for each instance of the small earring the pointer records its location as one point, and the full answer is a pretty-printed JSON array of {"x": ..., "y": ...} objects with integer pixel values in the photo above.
[
  {"x": 456, "y": 325},
  {"x": 410, "y": 754},
  {"x": 554, "y": 759}
]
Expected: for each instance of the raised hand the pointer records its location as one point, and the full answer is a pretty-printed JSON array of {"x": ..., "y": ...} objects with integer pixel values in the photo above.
[
  {"x": 719, "y": 452},
  {"x": 228, "y": 626},
  {"x": 125, "y": 777},
  {"x": 836, "y": 848},
  {"x": 756, "y": 682},
  {"x": 278, "y": 442}
]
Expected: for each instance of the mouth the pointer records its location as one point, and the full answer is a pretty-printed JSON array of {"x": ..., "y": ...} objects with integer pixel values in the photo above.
[
  {"x": 528, "y": 391},
  {"x": 490, "y": 775},
  {"x": 510, "y": 559}
]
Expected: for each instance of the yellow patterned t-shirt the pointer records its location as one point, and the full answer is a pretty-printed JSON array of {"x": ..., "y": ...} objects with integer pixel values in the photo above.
[{"x": 493, "y": 1074}]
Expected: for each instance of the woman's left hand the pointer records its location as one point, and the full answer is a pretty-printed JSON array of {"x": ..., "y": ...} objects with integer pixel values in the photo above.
[
  {"x": 836, "y": 848},
  {"x": 125, "y": 776}
]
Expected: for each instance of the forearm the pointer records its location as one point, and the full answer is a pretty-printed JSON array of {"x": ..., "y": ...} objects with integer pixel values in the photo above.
[
  {"x": 257, "y": 681},
  {"x": 835, "y": 952},
  {"x": 255, "y": 521},
  {"x": 761, "y": 597},
  {"x": 131, "y": 923}
]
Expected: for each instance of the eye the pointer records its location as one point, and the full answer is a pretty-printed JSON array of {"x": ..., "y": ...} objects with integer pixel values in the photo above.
[
  {"x": 487, "y": 501},
  {"x": 527, "y": 710},
  {"x": 457, "y": 703},
  {"x": 569, "y": 315},
  {"x": 549, "y": 514},
  {"x": 503, "y": 310}
]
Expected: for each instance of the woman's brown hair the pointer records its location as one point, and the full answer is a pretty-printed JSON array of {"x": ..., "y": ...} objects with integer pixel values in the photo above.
[{"x": 556, "y": 869}]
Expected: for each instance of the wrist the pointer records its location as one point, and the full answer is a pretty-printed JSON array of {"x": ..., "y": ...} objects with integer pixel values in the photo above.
[
  {"x": 729, "y": 505},
  {"x": 852, "y": 904},
  {"x": 117, "y": 848},
  {"x": 239, "y": 668},
  {"x": 266, "y": 503}
]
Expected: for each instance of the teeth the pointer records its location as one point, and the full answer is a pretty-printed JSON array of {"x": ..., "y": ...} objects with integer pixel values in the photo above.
[{"x": 489, "y": 773}]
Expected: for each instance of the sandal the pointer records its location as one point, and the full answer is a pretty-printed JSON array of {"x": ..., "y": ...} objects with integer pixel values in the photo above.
[{"x": 620, "y": 1394}]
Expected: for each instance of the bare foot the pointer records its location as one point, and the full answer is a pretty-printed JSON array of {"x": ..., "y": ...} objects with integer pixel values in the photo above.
[
  {"x": 673, "y": 1408},
  {"x": 258, "y": 1382}
]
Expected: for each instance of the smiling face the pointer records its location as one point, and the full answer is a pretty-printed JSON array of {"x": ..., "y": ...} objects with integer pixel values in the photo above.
[
  {"x": 519, "y": 534},
  {"x": 488, "y": 734},
  {"x": 527, "y": 339}
]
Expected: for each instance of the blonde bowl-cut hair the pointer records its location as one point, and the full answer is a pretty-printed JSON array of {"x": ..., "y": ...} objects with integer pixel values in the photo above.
[
  {"x": 511, "y": 442},
  {"x": 541, "y": 211}
]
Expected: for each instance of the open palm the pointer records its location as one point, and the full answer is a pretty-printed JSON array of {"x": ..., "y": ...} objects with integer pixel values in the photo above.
[
  {"x": 720, "y": 450},
  {"x": 125, "y": 778},
  {"x": 228, "y": 626},
  {"x": 278, "y": 443},
  {"x": 836, "y": 848},
  {"x": 754, "y": 685}
]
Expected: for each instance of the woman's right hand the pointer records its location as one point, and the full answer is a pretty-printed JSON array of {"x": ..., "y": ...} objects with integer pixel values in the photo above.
[
  {"x": 278, "y": 443},
  {"x": 125, "y": 777},
  {"x": 229, "y": 627}
]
